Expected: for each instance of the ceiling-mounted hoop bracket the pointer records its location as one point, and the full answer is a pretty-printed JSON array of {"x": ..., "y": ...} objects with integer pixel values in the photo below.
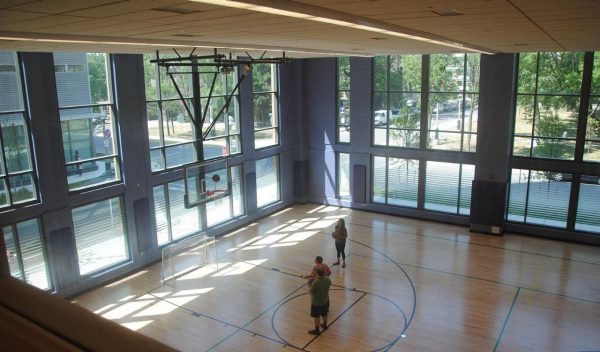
[{"x": 222, "y": 65}]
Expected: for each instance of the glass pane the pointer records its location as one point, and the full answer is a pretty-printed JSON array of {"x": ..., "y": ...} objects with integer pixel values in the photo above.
[
  {"x": 343, "y": 175},
  {"x": 548, "y": 200},
  {"x": 180, "y": 154},
  {"x": 519, "y": 182},
  {"x": 10, "y": 83},
  {"x": 587, "y": 209},
  {"x": 150, "y": 77},
  {"x": 4, "y": 201},
  {"x": 263, "y": 79},
  {"x": 591, "y": 151},
  {"x": 265, "y": 110},
  {"x": 380, "y": 72},
  {"x": 22, "y": 188},
  {"x": 184, "y": 221},
  {"x": 99, "y": 235},
  {"x": 182, "y": 79},
  {"x": 81, "y": 79},
  {"x": 344, "y": 73},
  {"x": 379, "y": 179},
  {"x": 153, "y": 124},
  {"x": 557, "y": 116},
  {"x": 522, "y": 146},
  {"x": 444, "y": 140},
  {"x": 215, "y": 148},
  {"x": 15, "y": 137},
  {"x": 157, "y": 162},
  {"x": 266, "y": 138},
  {"x": 404, "y": 138},
  {"x": 32, "y": 250},
  {"x": 380, "y": 110},
  {"x": 219, "y": 210},
  {"x": 380, "y": 136},
  {"x": 446, "y": 73},
  {"x": 11, "y": 252},
  {"x": 596, "y": 75},
  {"x": 267, "y": 181},
  {"x": 88, "y": 132},
  {"x": 466, "y": 181},
  {"x": 403, "y": 182},
  {"x": 214, "y": 111},
  {"x": 235, "y": 145},
  {"x": 471, "y": 107},
  {"x": 236, "y": 190},
  {"x": 560, "y": 73},
  {"x": 160, "y": 214},
  {"x": 441, "y": 187},
  {"x": 527, "y": 73},
  {"x": 592, "y": 132},
  {"x": 473, "y": 69},
  {"x": 470, "y": 142},
  {"x": 344, "y": 117},
  {"x": 92, "y": 173},
  {"x": 555, "y": 148},
  {"x": 524, "y": 116},
  {"x": 177, "y": 126},
  {"x": 405, "y": 73}
]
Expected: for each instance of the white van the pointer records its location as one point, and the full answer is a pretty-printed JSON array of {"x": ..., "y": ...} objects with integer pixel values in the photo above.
[{"x": 380, "y": 117}]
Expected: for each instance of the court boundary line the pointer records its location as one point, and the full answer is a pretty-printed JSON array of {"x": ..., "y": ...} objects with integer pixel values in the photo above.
[{"x": 506, "y": 320}]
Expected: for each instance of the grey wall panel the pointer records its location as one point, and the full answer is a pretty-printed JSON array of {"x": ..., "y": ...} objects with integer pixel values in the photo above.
[
  {"x": 361, "y": 102},
  {"x": 301, "y": 179},
  {"x": 359, "y": 184}
]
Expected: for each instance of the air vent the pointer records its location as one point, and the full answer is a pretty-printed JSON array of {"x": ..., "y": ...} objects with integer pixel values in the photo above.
[
  {"x": 447, "y": 12},
  {"x": 174, "y": 9},
  {"x": 184, "y": 35},
  {"x": 378, "y": 38}
]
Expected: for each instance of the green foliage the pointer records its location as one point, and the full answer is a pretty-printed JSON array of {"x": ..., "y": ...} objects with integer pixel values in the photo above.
[
  {"x": 262, "y": 82},
  {"x": 98, "y": 80},
  {"x": 344, "y": 73},
  {"x": 407, "y": 123},
  {"x": 550, "y": 125}
]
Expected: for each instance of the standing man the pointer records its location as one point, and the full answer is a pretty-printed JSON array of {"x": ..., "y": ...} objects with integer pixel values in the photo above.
[
  {"x": 318, "y": 264},
  {"x": 319, "y": 301}
]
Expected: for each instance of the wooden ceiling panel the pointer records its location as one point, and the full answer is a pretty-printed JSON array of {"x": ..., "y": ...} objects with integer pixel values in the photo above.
[
  {"x": 59, "y": 6},
  {"x": 500, "y": 25}
]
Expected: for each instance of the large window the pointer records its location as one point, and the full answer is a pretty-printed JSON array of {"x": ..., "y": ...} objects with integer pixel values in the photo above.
[
  {"x": 592, "y": 133},
  {"x": 89, "y": 131},
  {"x": 343, "y": 100},
  {"x": 267, "y": 181},
  {"x": 397, "y": 101},
  {"x": 536, "y": 197},
  {"x": 266, "y": 108},
  {"x": 547, "y": 109},
  {"x": 395, "y": 181},
  {"x": 26, "y": 253},
  {"x": 453, "y": 101},
  {"x": 172, "y": 134},
  {"x": 17, "y": 176},
  {"x": 100, "y": 235}
]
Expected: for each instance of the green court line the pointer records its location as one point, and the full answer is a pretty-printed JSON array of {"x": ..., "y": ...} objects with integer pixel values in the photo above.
[{"x": 506, "y": 320}]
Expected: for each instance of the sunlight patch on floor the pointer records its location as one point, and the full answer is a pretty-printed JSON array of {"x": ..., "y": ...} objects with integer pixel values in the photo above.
[{"x": 240, "y": 268}]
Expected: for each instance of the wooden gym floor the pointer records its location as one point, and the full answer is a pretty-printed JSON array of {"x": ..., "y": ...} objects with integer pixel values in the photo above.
[{"x": 410, "y": 285}]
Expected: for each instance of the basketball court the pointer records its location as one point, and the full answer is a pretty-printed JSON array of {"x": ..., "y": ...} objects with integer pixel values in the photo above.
[{"x": 409, "y": 285}]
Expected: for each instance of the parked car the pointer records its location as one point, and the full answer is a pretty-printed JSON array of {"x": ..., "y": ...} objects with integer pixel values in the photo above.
[
  {"x": 380, "y": 117},
  {"x": 559, "y": 176}
]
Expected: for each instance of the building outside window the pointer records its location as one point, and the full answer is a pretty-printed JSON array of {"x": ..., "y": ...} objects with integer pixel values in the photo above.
[
  {"x": 88, "y": 123},
  {"x": 397, "y": 101},
  {"x": 343, "y": 99},
  {"x": 265, "y": 79},
  {"x": 26, "y": 252},
  {"x": 172, "y": 134},
  {"x": 267, "y": 181},
  {"x": 453, "y": 101},
  {"x": 17, "y": 174}
]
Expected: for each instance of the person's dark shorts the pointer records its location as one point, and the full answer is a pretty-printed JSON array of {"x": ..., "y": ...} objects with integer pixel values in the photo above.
[{"x": 316, "y": 311}]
